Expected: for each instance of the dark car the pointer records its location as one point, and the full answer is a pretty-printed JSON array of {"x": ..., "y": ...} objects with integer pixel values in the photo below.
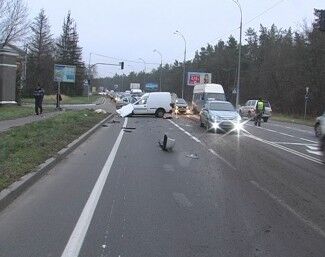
[{"x": 181, "y": 106}]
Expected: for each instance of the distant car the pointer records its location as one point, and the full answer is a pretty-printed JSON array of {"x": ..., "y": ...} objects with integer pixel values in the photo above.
[
  {"x": 248, "y": 110},
  {"x": 317, "y": 125},
  {"x": 181, "y": 106},
  {"x": 220, "y": 116}
]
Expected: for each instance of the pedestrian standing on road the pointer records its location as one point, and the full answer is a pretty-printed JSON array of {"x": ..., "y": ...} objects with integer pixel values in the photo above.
[
  {"x": 260, "y": 108},
  {"x": 38, "y": 95}
]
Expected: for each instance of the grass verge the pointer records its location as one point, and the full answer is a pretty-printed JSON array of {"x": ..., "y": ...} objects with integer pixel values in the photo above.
[
  {"x": 22, "y": 149},
  {"x": 309, "y": 121},
  {"x": 12, "y": 112},
  {"x": 51, "y": 99}
]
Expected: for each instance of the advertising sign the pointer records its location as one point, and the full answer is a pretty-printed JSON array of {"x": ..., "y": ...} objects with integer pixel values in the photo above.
[
  {"x": 64, "y": 73},
  {"x": 194, "y": 78},
  {"x": 152, "y": 87}
]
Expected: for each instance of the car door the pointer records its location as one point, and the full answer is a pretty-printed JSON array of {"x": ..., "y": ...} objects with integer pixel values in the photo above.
[{"x": 140, "y": 107}]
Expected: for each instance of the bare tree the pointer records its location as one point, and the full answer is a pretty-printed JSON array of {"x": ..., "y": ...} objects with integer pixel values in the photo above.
[{"x": 13, "y": 21}]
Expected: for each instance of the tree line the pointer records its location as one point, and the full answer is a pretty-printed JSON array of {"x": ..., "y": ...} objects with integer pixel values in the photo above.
[
  {"x": 42, "y": 49},
  {"x": 277, "y": 64}
]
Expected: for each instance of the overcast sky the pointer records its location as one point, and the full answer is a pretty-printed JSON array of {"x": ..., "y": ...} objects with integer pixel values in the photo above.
[{"x": 131, "y": 29}]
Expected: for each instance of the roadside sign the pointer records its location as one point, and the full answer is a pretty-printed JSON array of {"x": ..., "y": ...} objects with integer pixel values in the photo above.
[
  {"x": 151, "y": 87},
  {"x": 64, "y": 73},
  {"x": 195, "y": 78},
  {"x": 115, "y": 87}
]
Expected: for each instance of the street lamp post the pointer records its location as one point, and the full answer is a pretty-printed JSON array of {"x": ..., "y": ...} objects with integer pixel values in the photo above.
[
  {"x": 160, "y": 84},
  {"x": 239, "y": 52},
  {"x": 180, "y": 34},
  {"x": 144, "y": 71}
]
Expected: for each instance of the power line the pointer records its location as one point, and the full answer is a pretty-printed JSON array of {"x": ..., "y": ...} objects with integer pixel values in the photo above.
[
  {"x": 123, "y": 59},
  {"x": 256, "y": 17}
]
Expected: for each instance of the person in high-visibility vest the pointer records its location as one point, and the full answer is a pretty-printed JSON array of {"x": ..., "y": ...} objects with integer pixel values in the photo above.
[{"x": 260, "y": 108}]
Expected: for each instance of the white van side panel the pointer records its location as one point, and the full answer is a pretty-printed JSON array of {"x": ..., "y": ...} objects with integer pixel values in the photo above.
[{"x": 159, "y": 100}]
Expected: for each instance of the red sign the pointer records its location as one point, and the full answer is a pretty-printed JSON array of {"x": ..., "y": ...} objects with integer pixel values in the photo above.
[{"x": 194, "y": 79}]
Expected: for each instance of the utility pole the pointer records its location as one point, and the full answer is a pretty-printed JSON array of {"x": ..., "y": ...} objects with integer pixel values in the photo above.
[
  {"x": 184, "y": 62},
  {"x": 160, "y": 84},
  {"x": 239, "y": 53}
]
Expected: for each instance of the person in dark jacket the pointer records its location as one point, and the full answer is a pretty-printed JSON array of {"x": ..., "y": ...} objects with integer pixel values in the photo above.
[{"x": 38, "y": 95}]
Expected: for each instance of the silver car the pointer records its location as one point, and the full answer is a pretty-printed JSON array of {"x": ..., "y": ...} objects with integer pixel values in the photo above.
[
  {"x": 248, "y": 110},
  {"x": 220, "y": 116}
]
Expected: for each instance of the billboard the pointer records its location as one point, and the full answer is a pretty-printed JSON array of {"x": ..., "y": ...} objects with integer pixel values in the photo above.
[
  {"x": 194, "y": 78},
  {"x": 152, "y": 87},
  {"x": 64, "y": 73}
]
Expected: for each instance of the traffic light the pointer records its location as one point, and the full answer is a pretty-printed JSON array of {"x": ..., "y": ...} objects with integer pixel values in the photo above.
[
  {"x": 122, "y": 65},
  {"x": 322, "y": 20}
]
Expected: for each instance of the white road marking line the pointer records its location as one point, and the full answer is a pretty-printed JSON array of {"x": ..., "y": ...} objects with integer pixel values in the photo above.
[
  {"x": 221, "y": 158},
  {"x": 289, "y": 143},
  {"x": 300, "y": 217},
  {"x": 301, "y": 138},
  {"x": 313, "y": 147},
  {"x": 319, "y": 153},
  {"x": 305, "y": 156},
  {"x": 77, "y": 237},
  {"x": 284, "y": 134},
  {"x": 186, "y": 132}
]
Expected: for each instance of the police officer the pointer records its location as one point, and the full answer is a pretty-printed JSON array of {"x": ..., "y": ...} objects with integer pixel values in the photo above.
[{"x": 260, "y": 108}]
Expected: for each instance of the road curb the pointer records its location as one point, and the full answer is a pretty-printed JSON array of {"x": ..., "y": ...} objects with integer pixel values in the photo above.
[{"x": 9, "y": 194}]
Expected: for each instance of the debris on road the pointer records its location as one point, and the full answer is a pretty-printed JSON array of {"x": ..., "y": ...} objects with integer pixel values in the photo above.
[
  {"x": 127, "y": 128},
  {"x": 100, "y": 111},
  {"x": 167, "y": 144},
  {"x": 193, "y": 156}
]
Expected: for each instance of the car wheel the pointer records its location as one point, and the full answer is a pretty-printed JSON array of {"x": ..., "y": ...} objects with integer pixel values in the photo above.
[
  {"x": 207, "y": 126},
  {"x": 240, "y": 113},
  {"x": 265, "y": 119},
  {"x": 317, "y": 130},
  {"x": 160, "y": 113}
]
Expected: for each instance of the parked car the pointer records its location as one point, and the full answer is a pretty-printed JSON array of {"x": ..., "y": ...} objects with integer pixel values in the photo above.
[
  {"x": 157, "y": 103},
  {"x": 317, "y": 125},
  {"x": 220, "y": 116},
  {"x": 248, "y": 110},
  {"x": 124, "y": 101},
  {"x": 181, "y": 106}
]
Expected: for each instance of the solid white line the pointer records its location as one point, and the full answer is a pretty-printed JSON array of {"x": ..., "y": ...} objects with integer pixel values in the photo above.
[
  {"x": 305, "y": 156},
  {"x": 313, "y": 147},
  {"x": 196, "y": 139},
  {"x": 77, "y": 237},
  {"x": 308, "y": 223}
]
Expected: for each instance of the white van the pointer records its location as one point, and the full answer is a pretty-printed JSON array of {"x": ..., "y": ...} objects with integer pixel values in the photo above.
[
  {"x": 206, "y": 92},
  {"x": 157, "y": 103}
]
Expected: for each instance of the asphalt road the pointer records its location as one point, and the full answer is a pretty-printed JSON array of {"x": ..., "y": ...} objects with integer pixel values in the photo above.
[{"x": 259, "y": 193}]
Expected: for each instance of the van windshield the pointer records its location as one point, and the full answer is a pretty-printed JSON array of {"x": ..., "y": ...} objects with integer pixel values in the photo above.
[{"x": 215, "y": 96}]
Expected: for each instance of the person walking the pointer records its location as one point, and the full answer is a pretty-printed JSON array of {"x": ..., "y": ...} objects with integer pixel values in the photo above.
[{"x": 38, "y": 95}]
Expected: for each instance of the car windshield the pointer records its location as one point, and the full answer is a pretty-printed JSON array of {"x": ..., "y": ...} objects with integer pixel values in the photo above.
[
  {"x": 221, "y": 107},
  {"x": 215, "y": 96}
]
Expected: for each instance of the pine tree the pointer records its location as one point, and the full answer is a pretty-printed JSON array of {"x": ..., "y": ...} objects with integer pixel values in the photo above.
[
  {"x": 70, "y": 53},
  {"x": 40, "y": 54}
]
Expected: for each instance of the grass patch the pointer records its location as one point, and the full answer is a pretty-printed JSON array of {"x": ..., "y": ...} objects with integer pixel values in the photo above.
[
  {"x": 309, "y": 121},
  {"x": 22, "y": 149},
  {"x": 14, "y": 111},
  {"x": 51, "y": 99}
]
